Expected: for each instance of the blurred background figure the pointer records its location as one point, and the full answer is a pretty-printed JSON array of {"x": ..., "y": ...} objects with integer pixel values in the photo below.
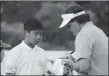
[{"x": 3, "y": 47}]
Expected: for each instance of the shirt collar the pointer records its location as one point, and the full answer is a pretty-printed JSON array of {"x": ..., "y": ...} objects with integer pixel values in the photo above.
[
  {"x": 36, "y": 48},
  {"x": 29, "y": 48},
  {"x": 26, "y": 46}
]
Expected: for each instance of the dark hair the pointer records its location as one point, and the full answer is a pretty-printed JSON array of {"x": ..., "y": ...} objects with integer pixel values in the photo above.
[
  {"x": 33, "y": 24},
  {"x": 76, "y": 9},
  {"x": 81, "y": 19}
]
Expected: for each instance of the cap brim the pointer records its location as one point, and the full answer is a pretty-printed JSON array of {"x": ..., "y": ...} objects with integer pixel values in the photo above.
[
  {"x": 64, "y": 23},
  {"x": 66, "y": 19}
]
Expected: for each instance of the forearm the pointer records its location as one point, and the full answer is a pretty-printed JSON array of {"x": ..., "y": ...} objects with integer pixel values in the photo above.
[{"x": 79, "y": 68}]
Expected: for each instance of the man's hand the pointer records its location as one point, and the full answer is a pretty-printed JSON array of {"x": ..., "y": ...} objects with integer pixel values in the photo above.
[
  {"x": 68, "y": 62},
  {"x": 80, "y": 66}
]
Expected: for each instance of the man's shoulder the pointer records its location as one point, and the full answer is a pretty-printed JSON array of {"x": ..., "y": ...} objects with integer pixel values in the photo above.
[
  {"x": 82, "y": 34},
  {"x": 85, "y": 35},
  {"x": 92, "y": 29},
  {"x": 88, "y": 32},
  {"x": 16, "y": 48}
]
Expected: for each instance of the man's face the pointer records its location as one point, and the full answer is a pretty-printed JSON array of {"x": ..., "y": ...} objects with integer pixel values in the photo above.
[
  {"x": 34, "y": 36},
  {"x": 74, "y": 27}
]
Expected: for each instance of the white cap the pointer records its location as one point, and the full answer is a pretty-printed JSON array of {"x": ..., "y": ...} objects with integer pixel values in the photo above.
[{"x": 68, "y": 17}]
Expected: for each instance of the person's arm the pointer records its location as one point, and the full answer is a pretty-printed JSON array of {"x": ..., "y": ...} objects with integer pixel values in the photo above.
[
  {"x": 82, "y": 54},
  {"x": 45, "y": 63},
  {"x": 81, "y": 66},
  {"x": 12, "y": 62}
]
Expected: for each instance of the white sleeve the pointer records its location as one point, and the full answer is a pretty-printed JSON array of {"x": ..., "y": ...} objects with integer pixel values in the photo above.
[
  {"x": 43, "y": 58},
  {"x": 83, "y": 46},
  {"x": 45, "y": 64},
  {"x": 11, "y": 65}
]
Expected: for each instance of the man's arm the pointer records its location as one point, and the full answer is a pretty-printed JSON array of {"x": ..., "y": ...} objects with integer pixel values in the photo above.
[
  {"x": 83, "y": 51},
  {"x": 12, "y": 62},
  {"x": 81, "y": 66}
]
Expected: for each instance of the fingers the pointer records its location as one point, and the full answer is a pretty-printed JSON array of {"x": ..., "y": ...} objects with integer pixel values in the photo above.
[
  {"x": 67, "y": 61},
  {"x": 69, "y": 57},
  {"x": 64, "y": 57}
]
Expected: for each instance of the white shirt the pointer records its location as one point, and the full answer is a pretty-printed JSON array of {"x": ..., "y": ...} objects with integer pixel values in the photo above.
[
  {"x": 23, "y": 60},
  {"x": 92, "y": 43}
]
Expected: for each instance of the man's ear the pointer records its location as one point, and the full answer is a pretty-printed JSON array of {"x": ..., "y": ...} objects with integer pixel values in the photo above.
[{"x": 25, "y": 32}]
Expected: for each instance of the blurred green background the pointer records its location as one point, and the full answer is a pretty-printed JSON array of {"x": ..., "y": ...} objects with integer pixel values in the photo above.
[{"x": 14, "y": 13}]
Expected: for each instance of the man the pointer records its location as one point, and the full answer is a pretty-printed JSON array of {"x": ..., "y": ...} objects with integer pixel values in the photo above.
[
  {"x": 27, "y": 58},
  {"x": 91, "y": 43}
]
